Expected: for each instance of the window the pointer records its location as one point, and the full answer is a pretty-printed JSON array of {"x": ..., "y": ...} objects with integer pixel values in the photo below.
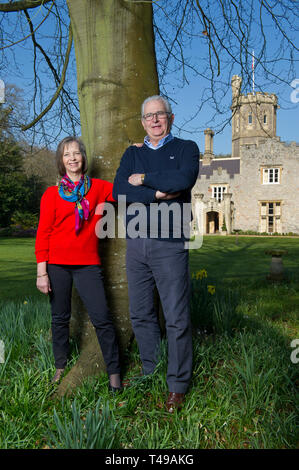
[
  {"x": 218, "y": 192},
  {"x": 265, "y": 118},
  {"x": 270, "y": 217},
  {"x": 249, "y": 118},
  {"x": 271, "y": 175}
]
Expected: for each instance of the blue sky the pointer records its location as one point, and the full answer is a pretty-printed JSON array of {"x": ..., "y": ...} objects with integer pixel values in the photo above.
[
  {"x": 272, "y": 73},
  {"x": 287, "y": 115},
  {"x": 287, "y": 118},
  {"x": 187, "y": 99}
]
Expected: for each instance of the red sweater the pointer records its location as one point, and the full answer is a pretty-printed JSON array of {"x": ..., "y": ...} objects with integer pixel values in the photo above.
[{"x": 56, "y": 239}]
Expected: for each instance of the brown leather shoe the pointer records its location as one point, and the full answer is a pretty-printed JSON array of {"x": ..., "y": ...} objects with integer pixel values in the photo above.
[
  {"x": 57, "y": 377},
  {"x": 174, "y": 401}
]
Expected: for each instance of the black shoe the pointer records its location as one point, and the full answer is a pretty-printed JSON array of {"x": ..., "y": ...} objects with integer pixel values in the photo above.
[
  {"x": 114, "y": 390},
  {"x": 58, "y": 376}
]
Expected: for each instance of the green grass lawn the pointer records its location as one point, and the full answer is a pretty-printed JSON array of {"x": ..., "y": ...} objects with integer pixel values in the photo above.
[
  {"x": 230, "y": 259},
  {"x": 227, "y": 260},
  {"x": 243, "y": 392},
  {"x": 17, "y": 269}
]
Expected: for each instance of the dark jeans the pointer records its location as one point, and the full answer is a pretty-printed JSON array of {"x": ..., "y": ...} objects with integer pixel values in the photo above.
[
  {"x": 165, "y": 264},
  {"x": 89, "y": 284}
]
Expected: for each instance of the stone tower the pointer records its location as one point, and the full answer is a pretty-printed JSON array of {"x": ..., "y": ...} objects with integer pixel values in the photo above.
[{"x": 253, "y": 117}]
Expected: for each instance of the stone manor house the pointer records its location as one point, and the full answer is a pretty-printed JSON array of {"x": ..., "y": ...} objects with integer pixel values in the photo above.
[{"x": 257, "y": 187}]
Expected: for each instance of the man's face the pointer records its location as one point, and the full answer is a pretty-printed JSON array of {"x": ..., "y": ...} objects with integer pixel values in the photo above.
[{"x": 157, "y": 127}]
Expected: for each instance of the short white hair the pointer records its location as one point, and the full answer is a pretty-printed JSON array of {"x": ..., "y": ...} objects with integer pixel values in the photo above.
[{"x": 157, "y": 98}]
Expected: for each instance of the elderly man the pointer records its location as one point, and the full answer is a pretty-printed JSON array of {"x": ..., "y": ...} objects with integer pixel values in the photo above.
[{"x": 161, "y": 171}]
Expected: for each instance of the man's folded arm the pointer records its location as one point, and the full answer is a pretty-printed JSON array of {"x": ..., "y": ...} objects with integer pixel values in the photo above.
[
  {"x": 171, "y": 181},
  {"x": 121, "y": 186}
]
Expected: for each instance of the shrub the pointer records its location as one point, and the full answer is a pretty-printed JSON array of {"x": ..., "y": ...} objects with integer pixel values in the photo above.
[
  {"x": 275, "y": 234},
  {"x": 24, "y": 223}
]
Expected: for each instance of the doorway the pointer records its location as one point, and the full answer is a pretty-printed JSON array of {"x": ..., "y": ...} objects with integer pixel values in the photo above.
[{"x": 212, "y": 222}]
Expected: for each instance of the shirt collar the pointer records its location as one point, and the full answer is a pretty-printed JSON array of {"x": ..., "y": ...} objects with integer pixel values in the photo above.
[{"x": 162, "y": 142}]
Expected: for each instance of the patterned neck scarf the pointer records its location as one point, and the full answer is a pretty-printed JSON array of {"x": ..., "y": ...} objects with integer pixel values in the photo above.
[{"x": 75, "y": 193}]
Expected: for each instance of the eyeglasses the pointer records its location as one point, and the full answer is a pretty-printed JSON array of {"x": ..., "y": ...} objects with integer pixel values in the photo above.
[{"x": 159, "y": 114}]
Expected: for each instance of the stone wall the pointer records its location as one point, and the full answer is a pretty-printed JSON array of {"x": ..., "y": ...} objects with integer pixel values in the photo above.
[
  {"x": 250, "y": 203},
  {"x": 247, "y": 189},
  {"x": 248, "y": 195}
]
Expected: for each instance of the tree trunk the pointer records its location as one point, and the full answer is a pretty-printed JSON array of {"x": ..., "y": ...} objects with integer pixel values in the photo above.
[{"x": 116, "y": 71}]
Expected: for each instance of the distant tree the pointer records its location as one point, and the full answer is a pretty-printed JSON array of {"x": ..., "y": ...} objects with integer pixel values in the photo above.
[
  {"x": 18, "y": 192},
  {"x": 12, "y": 113},
  {"x": 40, "y": 163}
]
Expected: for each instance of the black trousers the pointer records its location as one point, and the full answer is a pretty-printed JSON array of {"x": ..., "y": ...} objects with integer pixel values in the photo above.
[
  {"x": 89, "y": 284},
  {"x": 163, "y": 264}
]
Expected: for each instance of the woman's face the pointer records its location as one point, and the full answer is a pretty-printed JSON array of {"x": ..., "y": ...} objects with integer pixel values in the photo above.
[{"x": 73, "y": 161}]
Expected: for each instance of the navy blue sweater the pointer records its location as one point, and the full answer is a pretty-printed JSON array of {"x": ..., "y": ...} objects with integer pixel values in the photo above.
[{"x": 170, "y": 169}]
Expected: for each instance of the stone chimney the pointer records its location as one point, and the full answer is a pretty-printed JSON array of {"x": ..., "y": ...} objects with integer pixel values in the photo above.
[{"x": 208, "y": 155}]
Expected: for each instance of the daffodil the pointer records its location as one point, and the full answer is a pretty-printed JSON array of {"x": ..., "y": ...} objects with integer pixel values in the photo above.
[
  {"x": 211, "y": 289},
  {"x": 201, "y": 274}
]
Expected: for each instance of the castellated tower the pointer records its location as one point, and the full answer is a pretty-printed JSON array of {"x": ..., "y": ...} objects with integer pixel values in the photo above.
[{"x": 253, "y": 117}]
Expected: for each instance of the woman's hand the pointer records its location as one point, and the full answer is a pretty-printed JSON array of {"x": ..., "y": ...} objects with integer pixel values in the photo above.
[
  {"x": 43, "y": 284},
  {"x": 42, "y": 280}
]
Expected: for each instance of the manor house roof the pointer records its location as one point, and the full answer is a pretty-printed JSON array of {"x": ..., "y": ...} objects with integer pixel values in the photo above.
[{"x": 231, "y": 165}]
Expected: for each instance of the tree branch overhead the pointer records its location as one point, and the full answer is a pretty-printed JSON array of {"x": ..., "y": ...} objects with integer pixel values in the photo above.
[{"x": 21, "y": 5}]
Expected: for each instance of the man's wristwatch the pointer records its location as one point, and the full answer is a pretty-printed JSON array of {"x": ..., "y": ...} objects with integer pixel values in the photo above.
[{"x": 142, "y": 178}]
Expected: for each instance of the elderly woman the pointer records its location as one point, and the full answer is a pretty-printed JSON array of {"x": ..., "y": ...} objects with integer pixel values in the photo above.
[{"x": 67, "y": 251}]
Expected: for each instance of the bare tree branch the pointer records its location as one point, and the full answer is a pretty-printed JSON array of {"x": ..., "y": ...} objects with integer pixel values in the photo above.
[
  {"x": 62, "y": 80},
  {"x": 47, "y": 58},
  {"x": 207, "y": 24},
  {"x": 206, "y": 40},
  {"x": 22, "y": 5},
  {"x": 33, "y": 31}
]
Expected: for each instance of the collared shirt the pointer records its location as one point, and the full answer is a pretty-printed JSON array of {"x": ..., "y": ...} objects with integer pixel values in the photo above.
[{"x": 162, "y": 142}]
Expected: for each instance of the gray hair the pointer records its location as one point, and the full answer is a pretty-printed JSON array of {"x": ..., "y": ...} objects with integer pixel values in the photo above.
[{"x": 159, "y": 98}]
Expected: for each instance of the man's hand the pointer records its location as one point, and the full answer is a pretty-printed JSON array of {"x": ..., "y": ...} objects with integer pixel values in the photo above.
[
  {"x": 166, "y": 196},
  {"x": 135, "y": 179}
]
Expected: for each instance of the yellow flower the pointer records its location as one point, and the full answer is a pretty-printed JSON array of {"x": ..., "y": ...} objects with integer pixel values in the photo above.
[
  {"x": 25, "y": 302},
  {"x": 201, "y": 274},
  {"x": 211, "y": 290}
]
